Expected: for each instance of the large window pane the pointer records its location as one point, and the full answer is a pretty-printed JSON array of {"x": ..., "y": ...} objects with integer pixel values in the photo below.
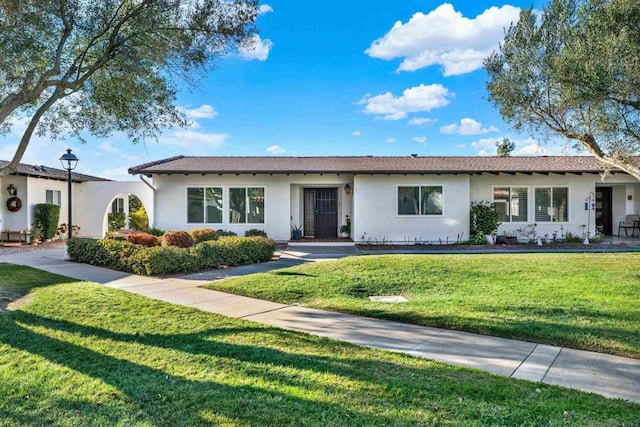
[
  {"x": 256, "y": 205},
  {"x": 543, "y": 204},
  {"x": 195, "y": 205},
  {"x": 560, "y": 203},
  {"x": 431, "y": 200},
  {"x": 237, "y": 205},
  {"x": 519, "y": 204},
  {"x": 501, "y": 196},
  {"x": 52, "y": 197},
  {"x": 213, "y": 202},
  {"x": 408, "y": 200}
]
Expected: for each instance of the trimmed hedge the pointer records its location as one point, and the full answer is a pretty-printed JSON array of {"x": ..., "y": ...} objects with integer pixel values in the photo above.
[
  {"x": 46, "y": 217},
  {"x": 203, "y": 235},
  {"x": 181, "y": 239},
  {"x": 161, "y": 260},
  {"x": 255, "y": 232}
]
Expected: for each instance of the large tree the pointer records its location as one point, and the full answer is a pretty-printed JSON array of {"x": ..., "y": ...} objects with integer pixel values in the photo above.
[
  {"x": 77, "y": 67},
  {"x": 574, "y": 71}
]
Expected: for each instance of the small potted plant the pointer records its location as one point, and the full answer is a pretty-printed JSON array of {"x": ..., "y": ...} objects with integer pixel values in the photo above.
[
  {"x": 345, "y": 229},
  {"x": 297, "y": 232},
  {"x": 35, "y": 234}
]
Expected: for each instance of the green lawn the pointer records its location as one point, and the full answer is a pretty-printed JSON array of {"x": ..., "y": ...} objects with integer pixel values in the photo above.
[
  {"x": 587, "y": 301},
  {"x": 80, "y": 354}
]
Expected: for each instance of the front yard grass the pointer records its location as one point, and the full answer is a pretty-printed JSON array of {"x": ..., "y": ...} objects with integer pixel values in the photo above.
[
  {"x": 585, "y": 301},
  {"x": 81, "y": 354}
]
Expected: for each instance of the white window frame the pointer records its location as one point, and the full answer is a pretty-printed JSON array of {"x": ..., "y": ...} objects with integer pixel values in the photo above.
[
  {"x": 246, "y": 206},
  {"x": 53, "y": 192},
  {"x": 511, "y": 186},
  {"x": 204, "y": 206},
  {"x": 568, "y": 221},
  {"x": 398, "y": 215}
]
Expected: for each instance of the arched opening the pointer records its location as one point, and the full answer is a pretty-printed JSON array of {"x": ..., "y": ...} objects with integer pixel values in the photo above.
[{"x": 125, "y": 211}]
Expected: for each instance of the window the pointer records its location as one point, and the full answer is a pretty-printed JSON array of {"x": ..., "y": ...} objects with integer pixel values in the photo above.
[
  {"x": 204, "y": 205},
  {"x": 246, "y": 205},
  {"x": 511, "y": 203},
  {"x": 52, "y": 197},
  {"x": 552, "y": 204},
  {"x": 117, "y": 206},
  {"x": 422, "y": 200}
]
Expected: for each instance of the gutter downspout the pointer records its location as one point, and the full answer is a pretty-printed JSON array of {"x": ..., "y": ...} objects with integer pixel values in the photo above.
[{"x": 152, "y": 221}]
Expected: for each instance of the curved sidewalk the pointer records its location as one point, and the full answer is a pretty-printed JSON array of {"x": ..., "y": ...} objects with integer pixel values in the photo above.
[{"x": 610, "y": 376}]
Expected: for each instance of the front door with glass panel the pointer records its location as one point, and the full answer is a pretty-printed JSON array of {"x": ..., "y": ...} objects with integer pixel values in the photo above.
[
  {"x": 603, "y": 210},
  {"x": 321, "y": 212}
]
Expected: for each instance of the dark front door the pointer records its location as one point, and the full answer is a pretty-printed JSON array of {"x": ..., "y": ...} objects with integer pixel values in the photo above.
[
  {"x": 321, "y": 212},
  {"x": 603, "y": 210}
]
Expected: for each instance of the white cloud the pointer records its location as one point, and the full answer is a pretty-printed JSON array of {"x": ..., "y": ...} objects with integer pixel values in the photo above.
[
  {"x": 416, "y": 99},
  {"x": 390, "y": 140},
  {"x": 108, "y": 148},
  {"x": 117, "y": 174},
  {"x": 524, "y": 147},
  {"x": 193, "y": 141},
  {"x": 443, "y": 36},
  {"x": 256, "y": 49},
  {"x": 467, "y": 126},
  {"x": 204, "y": 111},
  {"x": 356, "y": 133},
  {"x": 419, "y": 139},
  {"x": 276, "y": 149},
  {"x": 419, "y": 121},
  {"x": 264, "y": 8}
]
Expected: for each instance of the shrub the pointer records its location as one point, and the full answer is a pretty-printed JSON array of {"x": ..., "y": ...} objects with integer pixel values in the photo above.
[
  {"x": 116, "y": 221},
  {"x": 181, "y": 239},
  {"x": 139, "y": 219},
  {"x": 164, "y": 260},
  {"x": 144, "y": 239},
  {"x": 203, "y": 235},
  {"x": 125, "y": 256},
  {"x": 483, "y": 220},
  {"x": 156, "y": 232},
  {"x": 114, "y": 254},
  {"x": 254, "y": 232},
  {"x": 225, "y": 233},
  {"x": 46, "y": 217},
  {"x": 569, "y": 237}
]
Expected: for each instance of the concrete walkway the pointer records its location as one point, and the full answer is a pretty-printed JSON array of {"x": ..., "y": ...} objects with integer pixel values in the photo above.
[{"x": 611, "y": 376}]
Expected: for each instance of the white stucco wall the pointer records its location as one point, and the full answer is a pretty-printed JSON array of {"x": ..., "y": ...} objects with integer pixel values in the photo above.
[
  {"x": 283, "y": 200},
  {"x": 92, "y": 202},
  {"x": 579, "y": 188},
  {"x": 375, "y": 209},
  {"x": 14, "y": 221}
]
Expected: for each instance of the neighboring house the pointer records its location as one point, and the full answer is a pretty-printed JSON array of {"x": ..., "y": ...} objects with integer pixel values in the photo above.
[
  {"x": 92, "y": 198},
  {"x": 395, "y": 199}
]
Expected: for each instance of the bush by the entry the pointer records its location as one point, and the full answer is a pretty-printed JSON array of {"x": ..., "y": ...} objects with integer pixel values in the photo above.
[{"x": 160, "y": 260}]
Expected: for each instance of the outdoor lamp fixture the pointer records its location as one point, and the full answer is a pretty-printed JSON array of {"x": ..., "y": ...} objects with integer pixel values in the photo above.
[
  {"x": 12, "y": 190},
  {"x": 69, "y": 162},
  {"x": 347, "y": 189}
]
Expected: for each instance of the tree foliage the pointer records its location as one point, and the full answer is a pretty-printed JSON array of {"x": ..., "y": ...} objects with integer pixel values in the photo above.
[
  {"x": 505, "y": 147},
  {"x": 82, "y": 66},
  {"x": 574, "y": 72}
]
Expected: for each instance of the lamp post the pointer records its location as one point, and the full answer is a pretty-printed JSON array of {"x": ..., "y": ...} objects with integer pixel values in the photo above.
[{"x": 69, "y": 162}]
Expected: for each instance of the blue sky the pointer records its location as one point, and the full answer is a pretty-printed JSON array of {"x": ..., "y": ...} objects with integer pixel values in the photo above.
[{"x": 335, "y": 78}]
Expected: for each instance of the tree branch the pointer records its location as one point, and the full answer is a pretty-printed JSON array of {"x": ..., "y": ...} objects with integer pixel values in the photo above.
[{"x": 26, "y": 136}]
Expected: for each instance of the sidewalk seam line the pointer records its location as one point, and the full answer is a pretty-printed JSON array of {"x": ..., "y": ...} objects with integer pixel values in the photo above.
[
  {"x": 262, "y": 312},
  {"x": 524, "y": 361},
  {"x": 551, "y": 364}
]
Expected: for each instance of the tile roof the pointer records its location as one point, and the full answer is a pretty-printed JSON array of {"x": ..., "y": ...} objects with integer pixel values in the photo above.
[
  {"x": 368, "y": 164},
  {"x": 41, "y": 171}
]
